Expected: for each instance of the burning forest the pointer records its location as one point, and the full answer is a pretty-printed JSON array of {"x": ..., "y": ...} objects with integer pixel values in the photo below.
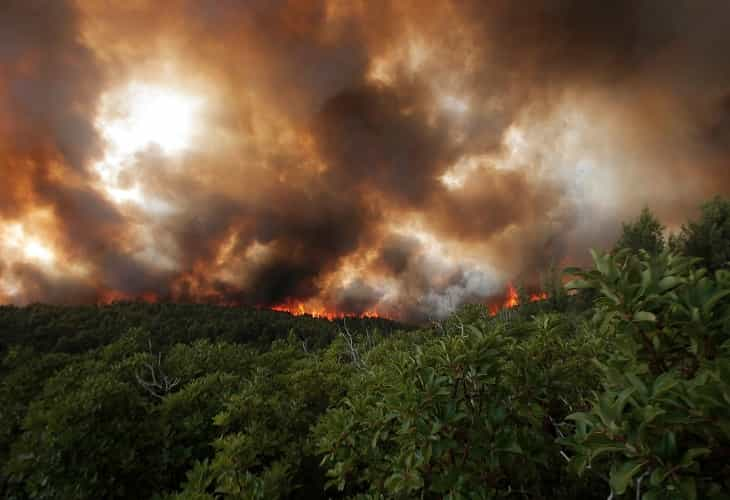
[
  {"x": 340, "y": 158},
  {"x": 285, "y": 249}
]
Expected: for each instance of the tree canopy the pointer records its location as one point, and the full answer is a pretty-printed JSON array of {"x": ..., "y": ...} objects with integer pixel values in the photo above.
[
  {"x": 643, "y": 233},
  {"x": 708, "y": 238}
]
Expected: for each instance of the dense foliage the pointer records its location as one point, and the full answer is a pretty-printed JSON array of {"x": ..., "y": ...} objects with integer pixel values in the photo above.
[
  {"x": 644, "y": 233},
  {"x": 707, "y": 238},
  {"x": 127, "y": 400},
  {"x": 615, "y": 386},
  {"x": 664, "y": 413}
]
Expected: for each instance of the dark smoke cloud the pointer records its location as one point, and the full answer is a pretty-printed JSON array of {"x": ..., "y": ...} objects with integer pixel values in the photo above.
[
  {"x": 357, "y": 297},
  {"x": 354, "y": 156},
  {"x": 376, "y": 139},
  {"x": 51, "y": 82}
]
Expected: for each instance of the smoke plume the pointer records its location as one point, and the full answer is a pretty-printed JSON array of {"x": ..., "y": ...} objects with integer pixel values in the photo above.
[{"x": 398, "y": 158}]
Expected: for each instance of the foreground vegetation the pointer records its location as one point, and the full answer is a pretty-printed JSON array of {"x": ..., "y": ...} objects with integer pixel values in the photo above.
[{"x": 616, "y": 386}]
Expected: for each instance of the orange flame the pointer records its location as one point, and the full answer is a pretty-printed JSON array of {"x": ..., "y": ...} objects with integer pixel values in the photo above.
[
  {"x": 513, "y": 300},
  {"x": 300, "y": 309},
  {"x": 107, "y": 297}
]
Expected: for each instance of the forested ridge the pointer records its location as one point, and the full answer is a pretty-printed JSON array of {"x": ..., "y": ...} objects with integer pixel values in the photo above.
[{"x": 615, "y": 386}]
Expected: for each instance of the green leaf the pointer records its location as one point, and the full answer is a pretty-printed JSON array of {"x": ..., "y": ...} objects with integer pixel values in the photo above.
[
  {"x": 666, "y": 448},
  {"x": 573, "y": 270},
  {"x": 649, "y": 413},
  {"x": 688, "y": 487},
  {"x": 610, "y": 294},
  {"x": 644, "y": 316},
  {"x": 596, "y": 451},
  {"x": 693, "y": 453},
  {"x": 621, "y": 475},
  {"x": 579, "y": 462},
  {"x": 578, "y": 284},
  {"x": 601, "y": 262},
  {"x": 637, "y": 383},
  {"x": 664, "y": 383},
  {"x": 511, "y": 447},
  {"x": 580, "y": 418},
  {"x": 617, "y": 408},
  {"x": 646, "y": 276},
  {"x": 657, "y": 476},
  {"x": 652, "y": 494},
  {"x": 712, "y": 301},
  {"x": 669, "y": 282}
]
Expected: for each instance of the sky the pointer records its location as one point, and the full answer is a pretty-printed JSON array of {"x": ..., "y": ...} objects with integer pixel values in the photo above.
[{"x": 398, "y": 158}]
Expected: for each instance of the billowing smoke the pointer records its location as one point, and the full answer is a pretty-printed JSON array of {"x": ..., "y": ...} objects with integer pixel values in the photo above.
[{"x": 398, "y": 158}]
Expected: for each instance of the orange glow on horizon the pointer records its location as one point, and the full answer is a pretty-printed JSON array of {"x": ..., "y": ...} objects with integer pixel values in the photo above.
[
  {"x": 109, "y": 297},
  {"x": 300, "y": 309}
]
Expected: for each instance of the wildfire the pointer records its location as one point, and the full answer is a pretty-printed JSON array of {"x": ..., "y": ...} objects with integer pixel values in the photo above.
[
  {"x": 513, "y": 300},
  {"x": 107, "y": 297},
  {"x": 299, "y": 309}
]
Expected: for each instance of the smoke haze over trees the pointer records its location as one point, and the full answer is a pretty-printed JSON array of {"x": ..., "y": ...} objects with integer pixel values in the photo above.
[
  {"x": 347, "y": 156},
  {"x": 614, "y": 385}
]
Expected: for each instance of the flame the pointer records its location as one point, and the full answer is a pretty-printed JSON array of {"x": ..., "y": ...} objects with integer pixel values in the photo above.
[
  {"x": 300, "y": 309},
  {"x": 108, "y": 297},
  {"x": 513, "y": 300}
]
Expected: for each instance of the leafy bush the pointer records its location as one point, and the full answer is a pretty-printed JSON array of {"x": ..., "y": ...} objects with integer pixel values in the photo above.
[
  {"x": 26, "y": 374},
  {"x": 661, "y": 426},
  {"x": 86, "y": 442},
  {"x": 263, "y": 449},
  {"x": 463, "y": 415}
]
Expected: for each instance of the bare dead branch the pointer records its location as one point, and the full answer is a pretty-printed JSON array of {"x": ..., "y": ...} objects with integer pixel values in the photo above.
[{"x": 159, "y": 384}]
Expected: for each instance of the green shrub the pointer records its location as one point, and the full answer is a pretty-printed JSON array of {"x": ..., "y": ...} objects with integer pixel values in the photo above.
[
  {"x": 465, "y": 415},
  {"x": 661, "y": 426}
]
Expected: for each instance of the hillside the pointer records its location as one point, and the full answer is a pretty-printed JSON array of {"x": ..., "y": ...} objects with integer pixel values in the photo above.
[
  {"x": 64, "y": 329},
  {"x": 617, "y": 384}
]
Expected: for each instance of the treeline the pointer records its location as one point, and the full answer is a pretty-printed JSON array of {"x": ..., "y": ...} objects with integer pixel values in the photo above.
[
  {"x": 117, "y": 401},
  {"x": 617, "y": 386},
  {"x": 52, "y": 328},
  {"x": 707, "y": 238}
]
